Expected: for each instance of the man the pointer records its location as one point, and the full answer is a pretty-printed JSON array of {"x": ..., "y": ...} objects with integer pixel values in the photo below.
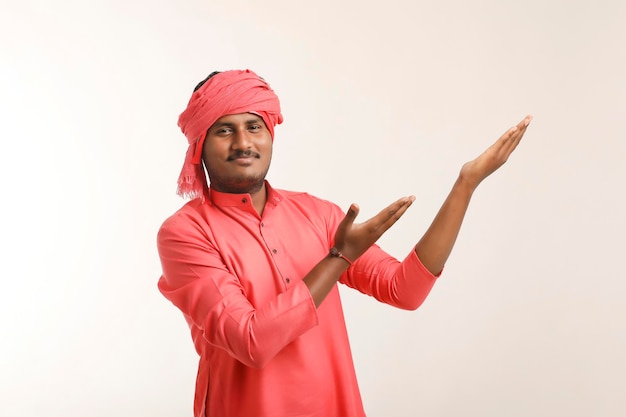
[{"x": 254, "y": 269}]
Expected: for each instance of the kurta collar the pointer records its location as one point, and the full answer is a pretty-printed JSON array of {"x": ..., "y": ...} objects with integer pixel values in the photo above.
[{"x": 221, "y": 199}]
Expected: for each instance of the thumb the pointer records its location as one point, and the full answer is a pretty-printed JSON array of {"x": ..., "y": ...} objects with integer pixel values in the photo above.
[
  {"x": 353, "y": 211},
  {"x": 350, "y": 216}
]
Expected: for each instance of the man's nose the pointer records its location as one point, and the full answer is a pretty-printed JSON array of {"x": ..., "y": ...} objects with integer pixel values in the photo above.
[{"x": 242, "y": 139}]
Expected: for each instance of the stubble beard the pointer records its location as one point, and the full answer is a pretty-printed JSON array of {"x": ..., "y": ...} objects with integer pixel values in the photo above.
[{"x": 238, "y": 184}]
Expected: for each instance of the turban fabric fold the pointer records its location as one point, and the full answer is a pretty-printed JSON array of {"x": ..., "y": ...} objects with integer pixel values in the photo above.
[{"x": 229, "y": 92}]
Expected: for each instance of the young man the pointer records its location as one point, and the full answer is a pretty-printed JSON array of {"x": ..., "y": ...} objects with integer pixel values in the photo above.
[{"x": 254, "y": 269}]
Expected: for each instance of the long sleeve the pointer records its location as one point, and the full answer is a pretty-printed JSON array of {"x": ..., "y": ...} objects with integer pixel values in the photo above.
[
  {"x": 403, "y": 284},
  {"x": 197, "y": 281}
]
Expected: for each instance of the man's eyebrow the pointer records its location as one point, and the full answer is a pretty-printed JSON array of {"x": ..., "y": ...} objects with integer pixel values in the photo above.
[
  {"x": 221, "y": 124},
  {"x": 254, "y": 119}
]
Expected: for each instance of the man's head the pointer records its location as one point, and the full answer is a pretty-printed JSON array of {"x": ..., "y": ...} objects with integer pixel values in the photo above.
[
  {"x": 237, "y": 153},
  {"x": 221, "y": 95}
]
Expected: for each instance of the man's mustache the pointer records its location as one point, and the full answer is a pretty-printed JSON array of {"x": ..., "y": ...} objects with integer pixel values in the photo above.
[{"x": 244, "y": 154}]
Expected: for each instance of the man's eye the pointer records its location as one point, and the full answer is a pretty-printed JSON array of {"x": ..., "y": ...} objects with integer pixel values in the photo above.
[{"x": 255, "y": 127}]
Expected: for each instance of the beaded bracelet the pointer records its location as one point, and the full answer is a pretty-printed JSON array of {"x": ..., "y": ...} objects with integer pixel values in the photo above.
[{"x": 335, "y": 252}]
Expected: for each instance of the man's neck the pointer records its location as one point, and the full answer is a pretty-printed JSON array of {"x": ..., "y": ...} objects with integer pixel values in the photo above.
[{"x": 259, "y": 198}]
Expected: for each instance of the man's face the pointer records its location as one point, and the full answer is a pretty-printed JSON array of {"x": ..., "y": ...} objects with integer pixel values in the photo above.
[{"x": 237, "y": 153}]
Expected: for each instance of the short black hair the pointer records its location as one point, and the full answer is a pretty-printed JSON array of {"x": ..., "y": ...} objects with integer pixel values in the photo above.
[{"x": 201, "y": 83}]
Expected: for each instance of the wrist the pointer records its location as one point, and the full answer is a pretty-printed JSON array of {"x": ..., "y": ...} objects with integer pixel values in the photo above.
[
  {"x": 334, "y": 252},
  {"x": 466, "y": 185}
]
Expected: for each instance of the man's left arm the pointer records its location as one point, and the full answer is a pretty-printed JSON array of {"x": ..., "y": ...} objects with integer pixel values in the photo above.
[
  {"x": 435, "y": 246},
  {"x": 403, "y": 284},
  {"x": 406, "y": 284}
]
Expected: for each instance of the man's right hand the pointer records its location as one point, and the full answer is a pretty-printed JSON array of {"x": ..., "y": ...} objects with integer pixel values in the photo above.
[{"x": 353, "y": 240}]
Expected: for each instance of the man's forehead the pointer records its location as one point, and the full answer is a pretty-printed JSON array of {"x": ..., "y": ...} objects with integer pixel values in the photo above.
[{"x": 239, "y": 118}]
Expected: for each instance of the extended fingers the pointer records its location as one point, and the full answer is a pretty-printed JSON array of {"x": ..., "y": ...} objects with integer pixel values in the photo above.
[
  {"x": 512, "y": 137},
  {"x": 393, "y": 212},
  {"x": 522, "y": 125},
  {"x": 519, "y": 130}
]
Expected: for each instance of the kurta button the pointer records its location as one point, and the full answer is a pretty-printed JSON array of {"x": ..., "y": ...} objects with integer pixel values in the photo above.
[
  {"x": 244, "y": 200},
  {"x": 274, "y": 250},
  {"x": 288, "y": 280},
  {"x": 262, "y": 224}
]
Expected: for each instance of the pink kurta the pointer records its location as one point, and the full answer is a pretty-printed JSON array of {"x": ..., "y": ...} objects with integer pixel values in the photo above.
[{"x": 265, "y": 350}]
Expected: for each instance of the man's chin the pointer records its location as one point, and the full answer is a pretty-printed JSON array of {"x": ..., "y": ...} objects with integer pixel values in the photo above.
[{"x": 239, "y": 186}]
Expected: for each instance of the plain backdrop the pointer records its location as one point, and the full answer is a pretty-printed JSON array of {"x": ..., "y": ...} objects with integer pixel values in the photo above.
[{"x": 381, "y": 100}]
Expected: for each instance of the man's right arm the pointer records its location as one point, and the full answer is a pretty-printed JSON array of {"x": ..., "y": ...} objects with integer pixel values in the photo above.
[{"x": 197, "y": 282}]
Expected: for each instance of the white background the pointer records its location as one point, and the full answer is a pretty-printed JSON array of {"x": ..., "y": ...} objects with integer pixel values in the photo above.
[{"x": 381, "y": 100}]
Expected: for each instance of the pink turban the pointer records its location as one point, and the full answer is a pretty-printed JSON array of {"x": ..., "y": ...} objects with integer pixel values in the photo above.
[{"x": 229, "y": 92}]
